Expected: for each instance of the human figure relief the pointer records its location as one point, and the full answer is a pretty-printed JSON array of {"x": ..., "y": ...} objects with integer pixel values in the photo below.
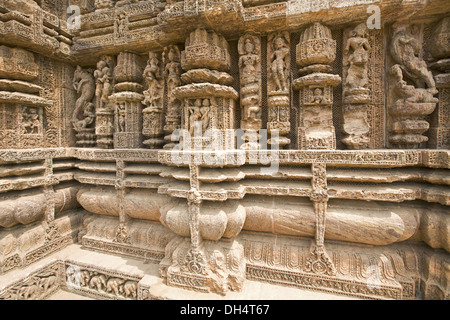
[
  {"x": 195, "y": 116},
  {"x": 206, "y": 107},
  {"x": 279, "y": 61},
  {"x": 121, "y": 110},
  {"x": 30, "y": 121},
  {"x": 152, "y": 76},
  {"x": 249, "y": 65},
  {"x": 173, "y": 67},
  {"x": 356, "y": 58}
]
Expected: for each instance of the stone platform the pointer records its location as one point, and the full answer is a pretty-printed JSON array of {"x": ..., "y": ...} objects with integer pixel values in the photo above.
[{"x": 150, "y": 285}]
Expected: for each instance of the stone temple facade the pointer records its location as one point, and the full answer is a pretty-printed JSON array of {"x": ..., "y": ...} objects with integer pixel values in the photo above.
[{"x": 201, "y": 145}]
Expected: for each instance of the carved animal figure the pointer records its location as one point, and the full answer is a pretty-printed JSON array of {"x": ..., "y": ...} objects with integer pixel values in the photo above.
[
  {"x": 129, "y": 289},
  {"x": 98, "y": 282},
  {"x": 47, "y": 282},
  {"x": 113, "y": 285},
  {"x": 28, "y": 292},
  {"x": 405, "y": 51}
]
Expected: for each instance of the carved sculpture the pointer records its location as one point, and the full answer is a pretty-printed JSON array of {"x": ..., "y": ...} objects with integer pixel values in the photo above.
[
  {"x": 104, "y": 126},
  {"x": 206, "y": 60},
  {"x": 83, "y": 117},
  {"x": 357, "y": 207},
  {"x": 278, "y": 88},
  {"x": 440, "y": 50},
  {"x": 356, "y": 88},
  {"x": 128, "y": 97},
  {"x": 153, "y": 115},
  {"x": 250, "y": 81},
  {"x": 410, "y": 103},
  {"x": 172, "y": 56}
]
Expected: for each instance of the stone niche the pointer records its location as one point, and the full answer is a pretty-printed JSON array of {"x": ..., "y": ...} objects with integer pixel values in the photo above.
[{"x": 164, "y": 147}]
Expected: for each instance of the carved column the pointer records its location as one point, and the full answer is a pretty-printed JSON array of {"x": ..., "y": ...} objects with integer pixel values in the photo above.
[
  {"x": 411, "y": 90},
  {"x": 121, "y": 235},
  {"x": 278, "y": 87},
  {"x": 315, "y": 54},
  {"x": 104, "y": 125},
  {"x": 153, "y": 114},
  {"x": 172, "y": 72},
  {"x": 128, "y": 101},
  {"x": 208, "y": 100},
  {"x": 356, "y": 90},
  {"x": 440, "y": 121},
  {"x": 200, "y": 263}
]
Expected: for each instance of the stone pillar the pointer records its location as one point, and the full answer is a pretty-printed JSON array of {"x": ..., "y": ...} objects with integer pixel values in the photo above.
[
  {"x": 208, "y": 100},
  {"x": 128, "y": 101},
  {"x": 316, "y": 52}
]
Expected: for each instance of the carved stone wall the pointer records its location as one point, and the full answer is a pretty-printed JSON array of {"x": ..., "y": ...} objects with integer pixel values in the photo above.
[{"x": 281, "y": 141}]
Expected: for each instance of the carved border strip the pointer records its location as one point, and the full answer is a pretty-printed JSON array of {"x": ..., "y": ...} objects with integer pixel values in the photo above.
[
  {"x": 322, "y": 283},
  {"x": 123, "y": 249},
  {"x": 36, "y": 286},
  {"x": 47, "y": 249},
  {"x": 101, "y": 289}
]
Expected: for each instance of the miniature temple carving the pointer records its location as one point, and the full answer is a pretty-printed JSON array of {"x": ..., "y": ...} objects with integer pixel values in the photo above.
[
  {"x": 208, "y": 100},
  {"x": 128, "y": 99},
  {"x": 315, "y": 54}
]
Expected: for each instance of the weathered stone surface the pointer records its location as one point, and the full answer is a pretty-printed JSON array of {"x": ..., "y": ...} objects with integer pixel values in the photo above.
[{"x": 201, "y": 145}]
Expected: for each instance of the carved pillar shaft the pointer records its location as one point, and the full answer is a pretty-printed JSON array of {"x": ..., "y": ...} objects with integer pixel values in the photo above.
[
  {"x": 122, "y": 232},
  {"x": 315, "y": 54},
  {"x": 128, "y": 101},
  {"x": 319, "y": 262}
]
